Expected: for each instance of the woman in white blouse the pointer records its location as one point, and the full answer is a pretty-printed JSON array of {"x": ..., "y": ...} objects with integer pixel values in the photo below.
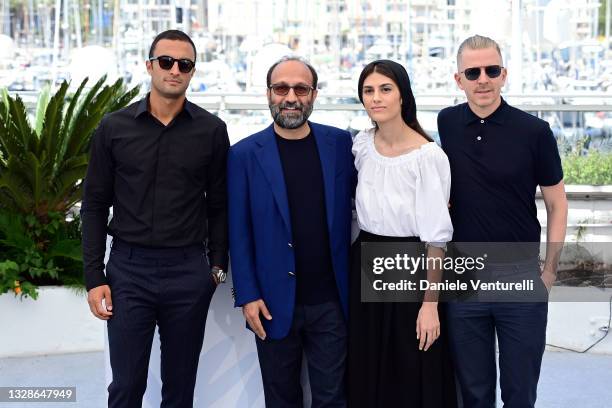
[{"x": 398, "y": 355}]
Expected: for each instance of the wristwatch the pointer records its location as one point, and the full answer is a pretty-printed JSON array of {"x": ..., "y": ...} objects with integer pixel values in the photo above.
[{"x": 219, "y": 275}]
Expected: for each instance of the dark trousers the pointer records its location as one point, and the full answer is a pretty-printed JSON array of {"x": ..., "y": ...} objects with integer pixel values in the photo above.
[
  {"x": 521, "y": 336},
  {"x": 170, "y": 288},
  {"x": 319, "y": 331}
]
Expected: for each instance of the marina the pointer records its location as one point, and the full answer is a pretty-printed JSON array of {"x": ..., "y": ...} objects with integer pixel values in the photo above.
[{"x": 558, "y": 53}]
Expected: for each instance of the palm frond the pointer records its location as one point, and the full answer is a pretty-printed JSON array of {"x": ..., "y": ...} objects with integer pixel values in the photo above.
[
  {"x": 41, "y": 166},
  {"x": 41, "y": 107},
  {"x": 66, "y": 248},
  {"x": 21, "y": 126},
  {"x": 67, "y": 127},
  {"x": 53, "y": 122}
]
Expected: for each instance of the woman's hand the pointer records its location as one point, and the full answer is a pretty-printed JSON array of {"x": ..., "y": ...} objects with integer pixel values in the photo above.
[{"x": 427, "y": 325}]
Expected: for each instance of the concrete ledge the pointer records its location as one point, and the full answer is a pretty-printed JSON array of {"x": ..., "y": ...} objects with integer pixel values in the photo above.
[
  {"x": 59, "y": 321},
  {"x": 585, "y": 192}
]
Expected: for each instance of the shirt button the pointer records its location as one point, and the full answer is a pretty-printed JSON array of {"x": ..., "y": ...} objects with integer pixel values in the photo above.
[
  {"x": 291, "y": 274},
  {"x": 481, "y": 120},
  {"x": 478, "y": 138},
  {"x": 290, "y": 245}
]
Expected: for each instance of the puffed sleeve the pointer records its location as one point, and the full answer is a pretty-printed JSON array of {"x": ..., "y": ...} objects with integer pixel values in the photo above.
[
  {"x": 360, "y": 146},
  {"x": 432, "y": 195}
]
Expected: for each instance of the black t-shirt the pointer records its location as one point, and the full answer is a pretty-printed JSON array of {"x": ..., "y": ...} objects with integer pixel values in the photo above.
[
  {"x": 306, "y": 196},
  {"x": 496, "y": 165}
]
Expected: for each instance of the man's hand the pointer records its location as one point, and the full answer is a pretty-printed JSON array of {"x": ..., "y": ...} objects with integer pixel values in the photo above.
[
  {"x": 548, "y": 278},
  {"x": 95, "y": 296},
  {"x": 427, "y": 325},
  {"x": 251, "y": 313}
]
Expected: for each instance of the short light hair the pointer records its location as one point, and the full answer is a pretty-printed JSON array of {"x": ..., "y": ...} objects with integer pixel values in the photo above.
[{"x": 477, "y": 42}]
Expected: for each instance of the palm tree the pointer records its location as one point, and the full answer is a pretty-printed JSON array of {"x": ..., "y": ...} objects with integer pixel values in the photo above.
[{"x": 42, "y": 165}]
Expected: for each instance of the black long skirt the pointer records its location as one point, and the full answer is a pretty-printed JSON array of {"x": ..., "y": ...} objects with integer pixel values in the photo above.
[{"x": 385, "y": 367}]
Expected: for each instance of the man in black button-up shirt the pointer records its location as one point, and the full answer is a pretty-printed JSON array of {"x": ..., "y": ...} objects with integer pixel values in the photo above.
[{"x": 161, "y": 164}]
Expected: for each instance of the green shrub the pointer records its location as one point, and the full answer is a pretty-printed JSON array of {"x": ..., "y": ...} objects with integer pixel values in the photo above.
[
  {"x": 594, "y": 168},
  {"x": 42, "y": 164}
]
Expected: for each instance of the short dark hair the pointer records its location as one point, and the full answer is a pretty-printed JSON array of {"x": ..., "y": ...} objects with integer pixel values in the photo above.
[
  {"x": 176, "y": 35},
  {"x": 315, "y": 78}
]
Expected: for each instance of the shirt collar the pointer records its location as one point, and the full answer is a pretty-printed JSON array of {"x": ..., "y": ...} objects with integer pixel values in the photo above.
[
  {"x": 143, "y": 106},
  {"x": 497, "y": 116},
  {"x": 189, "y": 108}
]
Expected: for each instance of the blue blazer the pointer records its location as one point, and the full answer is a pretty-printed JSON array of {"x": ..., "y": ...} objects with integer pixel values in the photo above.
[{"x": 261, "y": 254}]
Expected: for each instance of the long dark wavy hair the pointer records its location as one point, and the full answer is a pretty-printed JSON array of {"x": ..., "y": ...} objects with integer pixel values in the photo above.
[{"x": 399, "y": 76}]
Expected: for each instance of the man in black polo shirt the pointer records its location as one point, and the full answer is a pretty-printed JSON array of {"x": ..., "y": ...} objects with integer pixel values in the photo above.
[
  {"x": 290, "y": 189},
  {"x": 498, "y": 156},
  {"x": 161, "y": 164}
]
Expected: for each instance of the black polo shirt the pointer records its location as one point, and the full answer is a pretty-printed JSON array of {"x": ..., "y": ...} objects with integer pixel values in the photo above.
[{"x": 496, "y": 165}]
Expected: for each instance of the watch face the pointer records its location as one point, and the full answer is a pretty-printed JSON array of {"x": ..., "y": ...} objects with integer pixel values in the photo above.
[{"x": 219, "y": 274}]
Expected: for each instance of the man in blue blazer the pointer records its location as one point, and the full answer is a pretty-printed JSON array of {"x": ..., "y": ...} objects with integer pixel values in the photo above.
[{"x": 290, "y": 189}]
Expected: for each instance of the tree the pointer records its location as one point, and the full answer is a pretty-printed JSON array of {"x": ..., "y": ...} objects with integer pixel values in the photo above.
[{"x": 42, "y": 165}]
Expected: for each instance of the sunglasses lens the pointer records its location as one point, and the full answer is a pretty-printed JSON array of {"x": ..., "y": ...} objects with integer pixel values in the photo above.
[
  {"x": 165, "y": 62},
  {"x": 185, "y": 65},
  {"x": 280, "y": 90},
  {"x": 493, "y": 71},
  {"x": 301, "y": 90},
  {"x": 472, "y": 74},
  {"x": 283, "y": 90}
]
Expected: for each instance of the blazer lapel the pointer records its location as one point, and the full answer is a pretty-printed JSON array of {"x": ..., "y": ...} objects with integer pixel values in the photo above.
[
  {"x": 326, "y": 143},
  {"x": 269, "y": 160}
]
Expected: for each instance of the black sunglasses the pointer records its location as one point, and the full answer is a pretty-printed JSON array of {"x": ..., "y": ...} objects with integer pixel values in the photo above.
[
  {"x": 283, "y": 89},
  {"x": 166, "y": 62},
  {"x": 492, "y": 71}
]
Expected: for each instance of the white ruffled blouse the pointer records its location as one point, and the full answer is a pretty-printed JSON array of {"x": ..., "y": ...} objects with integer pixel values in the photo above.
[{"x": 403, "y": 196}]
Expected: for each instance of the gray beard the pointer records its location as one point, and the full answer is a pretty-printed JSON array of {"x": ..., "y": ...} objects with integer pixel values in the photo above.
[{"x": 290, "y": 121}]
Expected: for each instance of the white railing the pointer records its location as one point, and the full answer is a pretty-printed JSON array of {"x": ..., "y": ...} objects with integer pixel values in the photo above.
[{"x": 430, "y": 102}]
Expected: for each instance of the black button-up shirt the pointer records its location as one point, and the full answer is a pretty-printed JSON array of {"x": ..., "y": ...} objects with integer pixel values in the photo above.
[
  {"x": 496, "y": 164},
  {"x": 166, "y": 184}
]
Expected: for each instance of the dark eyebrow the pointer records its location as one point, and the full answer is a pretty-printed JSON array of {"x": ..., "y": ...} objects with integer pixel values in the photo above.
[{"x": 381, "y": 85}]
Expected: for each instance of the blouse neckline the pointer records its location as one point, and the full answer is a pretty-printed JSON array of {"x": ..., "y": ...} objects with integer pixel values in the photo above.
[{"x": 395, "y": 159}]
